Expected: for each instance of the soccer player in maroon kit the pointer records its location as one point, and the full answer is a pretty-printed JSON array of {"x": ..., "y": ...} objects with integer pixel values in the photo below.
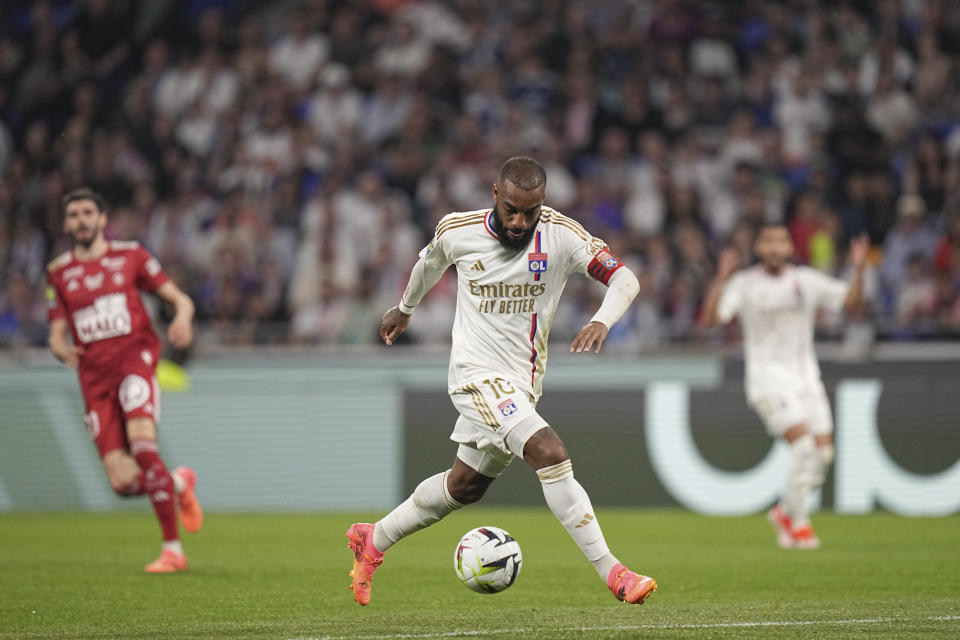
[{"x": 93, "y": 291}]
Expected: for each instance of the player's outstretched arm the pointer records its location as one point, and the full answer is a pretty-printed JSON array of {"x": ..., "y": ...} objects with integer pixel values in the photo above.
[
  {"x": 61, "y": 347},
  {"x": 859, "y": 252},
  {"x": 727, "y": 263},
  {"x": 622, "y": 288},
  {"x": 393, "y": 323},
  {"x": 424, "y": 275},
  {"x": 180, "y": 331}
]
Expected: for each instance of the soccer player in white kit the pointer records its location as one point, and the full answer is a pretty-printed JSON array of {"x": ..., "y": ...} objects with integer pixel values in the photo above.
[
  {"x": 512, "y": 263},
  {"x": 777, "y": 304}
]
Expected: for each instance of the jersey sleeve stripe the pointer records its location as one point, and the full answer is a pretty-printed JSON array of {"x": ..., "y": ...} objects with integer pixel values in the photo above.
[
  {"x": 570, "y": 221},
  {"x": 572, "y": 224},
  {"x": 451, "y": 219},
  {"x": 463, "y": 223},
  {"x": 559, "y": 216},
  {"x": 569, "y": 224}
]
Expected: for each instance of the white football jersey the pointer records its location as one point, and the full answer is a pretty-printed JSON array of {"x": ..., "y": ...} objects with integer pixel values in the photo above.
[
  {"x": 777, "y": 315},
  {"x": 506, "y": 299}
]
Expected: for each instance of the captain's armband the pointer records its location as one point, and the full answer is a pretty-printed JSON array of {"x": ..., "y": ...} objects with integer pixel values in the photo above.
[{"x": 603, "y": 265}]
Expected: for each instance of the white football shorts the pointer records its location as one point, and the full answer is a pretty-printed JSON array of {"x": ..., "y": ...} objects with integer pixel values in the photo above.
[
  {"x": 783, "y": 409},
  {"x": 496, "y": 420}
]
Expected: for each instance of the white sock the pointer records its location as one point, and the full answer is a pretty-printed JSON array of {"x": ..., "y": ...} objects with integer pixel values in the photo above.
[
  {"x": 173, "y": 545},
  {"x": 570, "y": 503},
  {"x": 428, "y": 503},
  {"x": 178, "y": 484},
  {"x": 825, "y": 455},
  {"x": 801, "y": 479}
]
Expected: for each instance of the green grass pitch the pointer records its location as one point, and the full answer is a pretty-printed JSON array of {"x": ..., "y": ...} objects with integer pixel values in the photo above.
[{"x": 285, "y": 576}]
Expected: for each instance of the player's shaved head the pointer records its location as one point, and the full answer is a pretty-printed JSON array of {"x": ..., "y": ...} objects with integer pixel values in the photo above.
[{"x": 523, "y": 172}]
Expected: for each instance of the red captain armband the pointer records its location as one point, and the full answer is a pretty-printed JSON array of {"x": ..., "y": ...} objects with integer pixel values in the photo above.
[{"x": 603, "y": 265}]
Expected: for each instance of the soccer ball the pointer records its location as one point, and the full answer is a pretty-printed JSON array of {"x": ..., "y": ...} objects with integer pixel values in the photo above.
[{"x": 487, "y": 559}]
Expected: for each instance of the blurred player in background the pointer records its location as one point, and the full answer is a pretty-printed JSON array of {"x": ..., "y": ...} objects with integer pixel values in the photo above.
[
  {"x": 777, "y": 304},
  {"x": 93, "y": 291},
  {"x": 512, "y": 263}
]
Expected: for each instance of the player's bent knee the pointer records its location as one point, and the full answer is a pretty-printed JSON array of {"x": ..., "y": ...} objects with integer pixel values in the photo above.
[
  {"x": 826, "y": 454},
  {"x": 125, "y": 489},
  {"x": 468, "y": 492},
  {"x": 545, "y": 449},
  {"x": 467, "y": 485},
  {"x": 123, "y": 473},
  {"x": 467, "y": 496},
  {"x": 125, "y": 482}
]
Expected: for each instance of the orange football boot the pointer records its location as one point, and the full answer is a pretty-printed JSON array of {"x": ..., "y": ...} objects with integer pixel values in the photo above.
[
  {"x": 191, "y": 515},
  {"x": 630, "y": 586},
  {"x": 805, "y": 538},
  {"x": 781, "y": 522},
  {"x": 366, "y": 559},
  {"x": 168, "y": 562}
]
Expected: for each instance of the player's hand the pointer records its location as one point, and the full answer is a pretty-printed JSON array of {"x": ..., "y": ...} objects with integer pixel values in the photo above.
[
  {"x": 860, "y": 251},
  {"x": 727, "y": 262},
  {"x": 592, "y": 333},
  {"x": 68, "y": 354},
  {"x": 393, "y": 323},
  {"x": 180, "y": 333}
]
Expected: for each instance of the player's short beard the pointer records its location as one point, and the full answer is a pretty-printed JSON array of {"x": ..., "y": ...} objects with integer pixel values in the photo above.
[
  {"x": 773, "y": 265},
  {"x": 86, "y": 244},
  {"x": 508, "y": 243}
]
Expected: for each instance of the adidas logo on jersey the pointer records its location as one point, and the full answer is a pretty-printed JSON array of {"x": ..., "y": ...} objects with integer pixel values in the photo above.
[{"x": 477, "y": 266}]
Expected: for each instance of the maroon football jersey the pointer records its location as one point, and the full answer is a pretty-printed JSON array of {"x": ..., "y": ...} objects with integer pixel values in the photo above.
[{"x": 101, "y": 302}]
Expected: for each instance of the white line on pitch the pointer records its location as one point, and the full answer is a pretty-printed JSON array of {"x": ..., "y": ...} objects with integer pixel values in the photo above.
[{"x": 639, "y": 627}]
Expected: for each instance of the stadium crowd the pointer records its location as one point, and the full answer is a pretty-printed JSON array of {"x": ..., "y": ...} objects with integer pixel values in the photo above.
[{"x": 286, "y": 161}]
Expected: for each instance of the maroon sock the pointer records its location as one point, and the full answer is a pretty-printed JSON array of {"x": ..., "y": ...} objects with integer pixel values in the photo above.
[{"x": 157, "y": 483}]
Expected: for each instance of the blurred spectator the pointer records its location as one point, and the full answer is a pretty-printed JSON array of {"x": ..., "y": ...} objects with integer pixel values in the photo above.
[
  {"x": 926, "y": 173},
  {"x": 803, "y": 226},
  {"x": 334, "y": 109},
  {"x": 403, "y": 53},
  {"x": 947, "y": 254},
  {"x": 801, "y": 113},
  {"x": 947, "y": 305},
  {"x": 911, "y": 239},
  {"x": 385, "y": 110},
  {"x": 892, "y": 111},
  {"x": 101, "y": 28},
  {"x": 916, "y": 296},
  {"x": 23, "y": 317},
  {"x": 299, "y": 53},
  {"x": 323, "y": 321}
]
